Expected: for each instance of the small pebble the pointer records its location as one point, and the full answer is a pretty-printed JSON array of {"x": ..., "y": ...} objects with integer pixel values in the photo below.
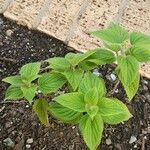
[
  {"x": 145, "y": 88},
  {"x": 113, "y": 77},
  {"x": 116, "y": 91},
  {"x": 38, "y": 92},
  {"x": 8, "y": 142},
  {"x": 27, "y": 106},
  {"x": 147, "y": 95},
  {"x": 144, "y": 132},
  {"x": 73, "y": 127},
  {"x": 9, "y": 32},
  {"x": 8, "y": 124},
  {"x": 1, "y": 127},
  {"x": 28, "y": 146},
  {"x": 30, "y": 141},
  {"x": 108, "y": 77},
  {"x": 96, "y": 72},
  {"x": 118, "y": 146},
  {"x": 1, "y": 21},
  {"x": 108, "y": 141},
  {"x": 132, "y": 139},
  {"x": 145, "y": 82},
  {"x": 148, "y": 130},
  {"x": 135, "y": 146},
  {"x": 61, "y": 133}
]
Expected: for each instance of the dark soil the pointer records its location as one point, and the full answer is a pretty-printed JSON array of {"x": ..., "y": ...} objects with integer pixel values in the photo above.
[{"x": 18, "y": 45}]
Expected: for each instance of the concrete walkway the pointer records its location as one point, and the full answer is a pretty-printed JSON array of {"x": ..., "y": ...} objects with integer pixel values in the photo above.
[{"x": 72, "y": 20}]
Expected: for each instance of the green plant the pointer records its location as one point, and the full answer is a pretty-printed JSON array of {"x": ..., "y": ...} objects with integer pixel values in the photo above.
[
  {"x": 85, "y": 101},
  {"x": 130, "y": 49},
  {"x": 90, "y": 108},
  {"x": 22, "y": 85},
  {"x": 73, "y": 66}
]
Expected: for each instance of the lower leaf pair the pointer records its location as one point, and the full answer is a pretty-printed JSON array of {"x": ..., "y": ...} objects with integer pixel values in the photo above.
[
  {"x": 22, "y": 85},
  {"x": 90, "y": 109}
]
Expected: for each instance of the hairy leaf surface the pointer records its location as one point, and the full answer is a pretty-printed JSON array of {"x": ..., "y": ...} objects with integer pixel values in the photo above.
[
  {"x": 113, "y": 34},
  {"x": 59, "y": 64},
  {"x": 29, "y": 92},
  {"x": 75, "y": 59},
  {"x": 137, "y": 38},
  {"x": 13, "y": 93},
  {"x": 92, "y": 81},
  {"x": 63, "y": 113},
  {"x": 29, "y": 72},
  {"x": 102, "y": 56},
  {"x": 51, "y": 82},
  {"x": 113, "y": 111},
  {"x": 127, "y": 69},
  {"x": 141, "y": 52},
  {"x": 14, "y": 80},
  {"x": 91, "y": 97},
  {"x": 73, "y": 101},
  {"x": 41, "y": 108},
  {"x": 91, "y": 130},
  {"x": 132, "y": 89},
  {"x": 74, "y": 78}
]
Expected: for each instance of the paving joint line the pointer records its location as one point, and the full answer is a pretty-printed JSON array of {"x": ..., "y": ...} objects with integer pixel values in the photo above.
[
  {"x": 6, "y": 5},
  {"x": 73, "y": 26},
  {"x": 121, "y": 11},
  {"x": 41, "y": 13}
]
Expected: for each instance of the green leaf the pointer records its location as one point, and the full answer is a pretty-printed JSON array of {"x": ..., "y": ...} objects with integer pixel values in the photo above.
[
  {"x": 91, "y": 110},
  {"x": 14, "y": 80},
  {"x": 87, "y": 65},
  {"x": 137, "y": 38},
  {"x": 127, "y": 69},
  {"x": 91, "y": 97},
  {"x": 51, "y": 82},
  {"x": 102, "y": 56},
  {"x": 74, "y": 78},
  {"x": 113, "y": 111},
  {"x": 91, "y": 131},
  {"x": 73, "y": 101},
  {"x": 41, "y": 108},
  {"x": 63, "y": 113},
  {"x": 132, "y": 89},
  {"x": 59, "y": 64},
  {"x": 141, "y": 52},
  {"x": 14, "y": 93},
  {"x": 29, "y": 72},
  {"x": 113, "y": 34},
  {"x": 113, "y": 46},
  {"x": 75, "y": 59},
  {"x": 92, "y": 81},
  {"x": 29, "y": 92}
]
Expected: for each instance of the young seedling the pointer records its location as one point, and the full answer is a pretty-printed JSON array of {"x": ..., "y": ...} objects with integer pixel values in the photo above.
[
  {"x": 86, "y": 102},
  {"x": 22, "y": 85},
  {"x": 90, "y": 108},
  {"x": 73, "y": 66}
]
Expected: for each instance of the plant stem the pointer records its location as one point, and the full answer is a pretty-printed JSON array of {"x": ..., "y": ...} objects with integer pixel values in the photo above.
[
  {"x": 122, "y": 52},
  {"x": 114, "y": 89},
  {"x": 44, "y": 69}
]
